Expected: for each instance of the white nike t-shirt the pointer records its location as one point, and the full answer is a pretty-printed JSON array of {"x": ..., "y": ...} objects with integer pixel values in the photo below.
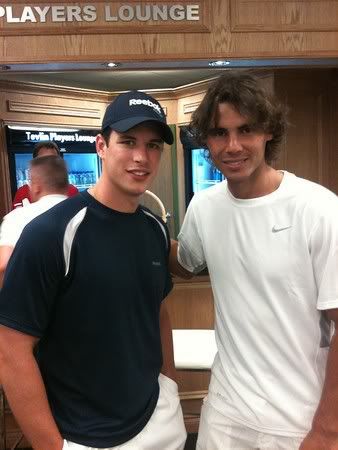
[{"x": 273, "y": 265}]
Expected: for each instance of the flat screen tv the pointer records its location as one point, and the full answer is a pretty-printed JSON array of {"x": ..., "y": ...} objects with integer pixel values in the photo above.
[{"x": 200, "y": 173}]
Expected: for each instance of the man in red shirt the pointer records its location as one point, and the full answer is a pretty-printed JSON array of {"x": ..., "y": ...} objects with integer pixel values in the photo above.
[{"x": 45, "y": 148}]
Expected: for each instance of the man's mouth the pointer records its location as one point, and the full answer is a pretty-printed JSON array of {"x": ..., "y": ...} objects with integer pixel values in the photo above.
[
  {"x": 138, "y": 172},
  {"x": 235, "y": 163}
]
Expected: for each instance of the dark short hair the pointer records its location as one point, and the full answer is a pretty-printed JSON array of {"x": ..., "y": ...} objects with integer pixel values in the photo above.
[
  {"x": 106, "y": 134},
  {"x": 52, "y": 171},
  {"x": 246, "y": 94},
  {"x": 45, "y": 144}
]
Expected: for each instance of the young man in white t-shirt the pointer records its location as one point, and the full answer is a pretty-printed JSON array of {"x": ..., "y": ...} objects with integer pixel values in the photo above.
[
  {"x": 270, "y": 242},
  {"x": 48, "y": 186}
]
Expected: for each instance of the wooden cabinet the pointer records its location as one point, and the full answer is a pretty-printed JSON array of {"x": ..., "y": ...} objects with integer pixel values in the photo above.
[{"x": 190, "y": 306}]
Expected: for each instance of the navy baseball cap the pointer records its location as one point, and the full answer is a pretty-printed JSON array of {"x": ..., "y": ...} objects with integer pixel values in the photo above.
[{"x": 132, "y": 108}]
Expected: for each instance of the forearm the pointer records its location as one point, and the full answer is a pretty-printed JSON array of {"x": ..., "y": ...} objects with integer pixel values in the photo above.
[
  {"x": 326, "y": 417},
  {"x": 25, "y": 391},
  {"x": 168, "y": 367},
  {"x": 174, "y": 266}
]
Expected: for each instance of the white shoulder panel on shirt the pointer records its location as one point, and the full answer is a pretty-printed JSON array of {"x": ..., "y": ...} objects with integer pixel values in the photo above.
[
  {"x": 70, "y": 232},
  {"x": 160, "y": 225}
]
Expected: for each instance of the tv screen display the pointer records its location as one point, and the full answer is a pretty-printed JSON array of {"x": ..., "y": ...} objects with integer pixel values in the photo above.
[
  {"x": 204, "y": 173},
  {"x": 200, "y": 173}
]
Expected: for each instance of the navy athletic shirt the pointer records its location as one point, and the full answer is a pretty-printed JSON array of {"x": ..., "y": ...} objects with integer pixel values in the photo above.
[{"x": 89, "y": 281}]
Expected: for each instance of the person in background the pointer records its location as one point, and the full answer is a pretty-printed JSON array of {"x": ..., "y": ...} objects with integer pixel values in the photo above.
[
  {"x": 270, "y": 242},
  {"x": 48, "y": 186},
  {"x": 43, "y": 148},
  {"x": 86, "y": 285}
]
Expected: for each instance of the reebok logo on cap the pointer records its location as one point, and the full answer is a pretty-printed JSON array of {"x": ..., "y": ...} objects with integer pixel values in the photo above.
[
  {"x": 138, "y": 101},
  {"x": 133, "y": 108}
]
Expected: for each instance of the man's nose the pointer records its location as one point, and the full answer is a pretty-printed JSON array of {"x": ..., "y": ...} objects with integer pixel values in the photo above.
[
  {"x": 140, "y": 153},
  {"x": 233, "y": 144}
]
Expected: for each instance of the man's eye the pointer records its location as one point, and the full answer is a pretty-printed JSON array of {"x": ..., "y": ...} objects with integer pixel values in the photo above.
[
  {"x": 154, "y": 146},
  {"x": 245, "y": 130},
  {"x": 128, "y": 143},
  {"x": 216, "y": 132}
]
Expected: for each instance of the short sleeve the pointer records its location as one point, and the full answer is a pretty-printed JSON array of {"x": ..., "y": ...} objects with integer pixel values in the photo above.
[
  {"x": 190, "y": 249},
  {"x": 32, "y": 279},
  {"x": 169, "y": 281},
  {"x": 10, "y": 229},
  {"x": 324, "y": 255}
]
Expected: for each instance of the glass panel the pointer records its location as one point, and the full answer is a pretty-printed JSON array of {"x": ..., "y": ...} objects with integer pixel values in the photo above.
[
  {"x": 204, "y": 173},
  {"x": 84, "y": 169},
  {"x": 21, "y": 168}
]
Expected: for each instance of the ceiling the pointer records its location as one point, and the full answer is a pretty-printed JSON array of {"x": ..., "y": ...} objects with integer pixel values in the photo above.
[
  {"x": 116, "y": 80},
  {"x": 143, "y": 75}
]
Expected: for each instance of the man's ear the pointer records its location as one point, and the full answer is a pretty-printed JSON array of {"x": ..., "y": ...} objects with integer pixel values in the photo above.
[
  {"x": 35, "y": 188},
  {"x": 101, "y": 146}
]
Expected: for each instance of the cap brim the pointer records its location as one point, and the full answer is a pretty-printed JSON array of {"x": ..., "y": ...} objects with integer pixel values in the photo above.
[{"x": 126, "y": 124}]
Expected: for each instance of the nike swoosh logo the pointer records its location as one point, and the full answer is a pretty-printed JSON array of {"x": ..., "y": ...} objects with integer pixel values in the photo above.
[{"x": 277, "y": 229}]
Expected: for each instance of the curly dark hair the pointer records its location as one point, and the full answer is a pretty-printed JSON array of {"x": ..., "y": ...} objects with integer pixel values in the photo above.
[{"x": 245, "y": 92}]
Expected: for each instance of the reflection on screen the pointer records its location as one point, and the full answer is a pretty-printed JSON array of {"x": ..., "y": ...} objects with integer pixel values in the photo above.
[{"x": 204, "y": 173}]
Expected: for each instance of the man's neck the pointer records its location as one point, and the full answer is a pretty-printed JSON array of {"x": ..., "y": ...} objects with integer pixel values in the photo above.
[
  {"x": 118, "y": 202},
  {"x": 263, "y": 183}
]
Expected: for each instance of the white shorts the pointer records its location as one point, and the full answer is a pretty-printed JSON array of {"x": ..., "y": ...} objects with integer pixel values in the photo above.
[
  {"x": 165, "y": 429},
  {"x": 217, "y": 432}
]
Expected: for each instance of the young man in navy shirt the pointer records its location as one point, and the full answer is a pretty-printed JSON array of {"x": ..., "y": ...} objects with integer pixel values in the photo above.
[{"x": 84, "y": 291}]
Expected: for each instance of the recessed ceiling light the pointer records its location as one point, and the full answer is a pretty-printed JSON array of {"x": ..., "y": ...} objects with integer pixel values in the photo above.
[
  {"x": 111, "y": 65},
  {"x": 219, "y": 63}
]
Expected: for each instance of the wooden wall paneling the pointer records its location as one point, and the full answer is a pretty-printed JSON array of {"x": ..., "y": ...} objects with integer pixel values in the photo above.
[
  {"x": 305, "y": 152},
  {"x": 333, "y": 133},
  {"x": 141, "y": 42},
  {"x": 105, "y": 18},
  {"x": 168, "y": 102},
  {"x": 324, "y": 129},
  {"x": 191, "y": 304},
  {"x": 284, "y": 15},
  {"x": 187, "y": 104},
  {"x": 50, "y": 106},
  {"x": 298, "y": 28},
  {"x": 5, "y": 186}
]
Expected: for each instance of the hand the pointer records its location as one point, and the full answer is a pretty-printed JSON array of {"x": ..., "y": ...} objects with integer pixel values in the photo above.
[
  {"x": 170, "y": 373},
  {"x": 319, "y": 440}
]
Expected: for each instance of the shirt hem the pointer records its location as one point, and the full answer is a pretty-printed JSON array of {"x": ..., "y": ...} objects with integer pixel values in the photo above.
[
  {"x": 272, "y": 431},
  {"x": 108, "y": 443},
  {"x": 329, "y": 304},
  {"x": 10, "y": 323}
]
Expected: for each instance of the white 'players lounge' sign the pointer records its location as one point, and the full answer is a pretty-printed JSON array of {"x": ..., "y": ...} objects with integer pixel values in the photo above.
[{"x": 108, "y": 12}]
